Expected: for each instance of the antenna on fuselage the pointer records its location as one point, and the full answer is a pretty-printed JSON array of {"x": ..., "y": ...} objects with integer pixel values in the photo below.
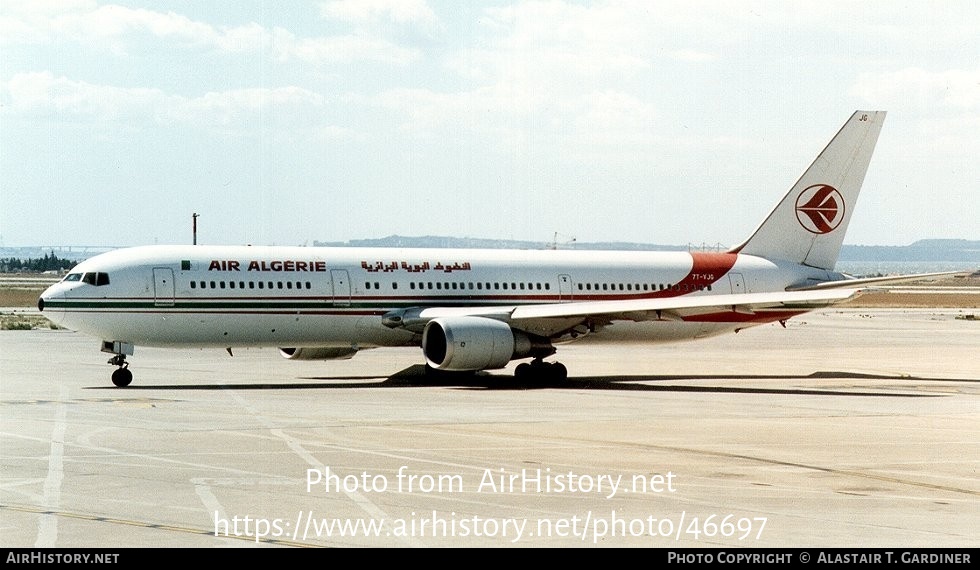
[{"x": 194, "y": 217}]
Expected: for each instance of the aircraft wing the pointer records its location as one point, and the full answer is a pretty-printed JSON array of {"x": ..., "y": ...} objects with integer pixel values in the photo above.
[
  {"x": 673, "y": 308},
  {"x": 681, "y": 306}
]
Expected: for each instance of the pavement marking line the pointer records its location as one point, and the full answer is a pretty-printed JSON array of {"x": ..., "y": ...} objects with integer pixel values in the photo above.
[
  {"x": 296, "y": 446},
  {"x": 47, "y": 527},
  {"x": 141, "y": 524},
  {"x": 359, "y": 499},
  {"x": 211, "y": 503}
]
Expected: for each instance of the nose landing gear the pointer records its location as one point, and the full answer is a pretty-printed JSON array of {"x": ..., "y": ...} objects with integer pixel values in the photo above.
[{"x": 122, "y": 377}]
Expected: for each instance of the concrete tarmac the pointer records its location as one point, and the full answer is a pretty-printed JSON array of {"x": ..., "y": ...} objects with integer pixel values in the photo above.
[{"x": 847, "y": 428}]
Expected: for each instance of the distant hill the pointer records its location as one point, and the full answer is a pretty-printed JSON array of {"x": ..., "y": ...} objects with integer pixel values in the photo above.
[
  {"x": 74, "y": 253},
  {"x": 958, "y": 250},
  {"x": 922, "y": 250}
]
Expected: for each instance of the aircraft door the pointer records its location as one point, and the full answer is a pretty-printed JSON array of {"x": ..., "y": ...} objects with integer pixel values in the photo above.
[
  {"x": 341, "y": 287},
  {"x": 564, "y": 288},
  {"x": 738, "y": 282},
  {"x": 163, "y": 287}
]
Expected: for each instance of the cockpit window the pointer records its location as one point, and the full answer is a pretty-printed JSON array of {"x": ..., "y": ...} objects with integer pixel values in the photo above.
[
  {"x": 73, "y": 277},
  {"x": 97, "y": 279}
]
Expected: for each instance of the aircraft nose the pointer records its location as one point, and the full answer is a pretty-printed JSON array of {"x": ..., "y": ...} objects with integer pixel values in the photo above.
[{"x": 52, "y": 293}]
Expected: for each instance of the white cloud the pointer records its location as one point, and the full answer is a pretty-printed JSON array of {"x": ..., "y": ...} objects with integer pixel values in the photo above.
[
  {"x": 399, "y": 11},
  {"x": 31, "y": 22},
  {"x": 952, "y": 88},
  {"x": 561, "y": 70},
  {"x": 554, "y": 39},
  {"x": 41, "y": 93},
  {"x": 611, "y": 119},
  {"x": 115, "y": 27},
  {"x": 115, "y": 21},
  {"x": 339, "y": 49},
  {"x": 693, "y": 56},
  {"x": 232, "y": 107},
  {"x": 333, "y": 133},
  {"x": 87, "y": 22},
  {"x": 594, "y": 121}
]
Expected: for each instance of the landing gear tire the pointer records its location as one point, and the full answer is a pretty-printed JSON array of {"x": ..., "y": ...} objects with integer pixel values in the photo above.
[
  {"x": 122, "y": 377},
  {"x": 558, "y": 372},
  {"x": 541, "y": 371}
]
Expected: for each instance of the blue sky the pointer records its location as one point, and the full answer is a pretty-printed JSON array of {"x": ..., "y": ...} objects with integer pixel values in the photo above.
[{"x": 659, "y": 122}]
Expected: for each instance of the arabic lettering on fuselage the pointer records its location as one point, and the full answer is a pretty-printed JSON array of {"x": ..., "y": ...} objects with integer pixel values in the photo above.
[{"x": 390, "y": 267}]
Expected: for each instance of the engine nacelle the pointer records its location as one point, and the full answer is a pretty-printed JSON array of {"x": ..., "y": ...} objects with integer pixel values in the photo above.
[
  {"x": 472, "y": 343},
  {"x": 318, "y": 353}
]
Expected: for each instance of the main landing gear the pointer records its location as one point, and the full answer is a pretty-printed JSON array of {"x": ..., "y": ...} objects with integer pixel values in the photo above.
[{"x": 538, "y": 369}]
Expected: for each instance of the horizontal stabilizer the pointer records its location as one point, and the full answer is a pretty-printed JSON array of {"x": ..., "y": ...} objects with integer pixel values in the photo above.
[{"x": 889, "y": 280}]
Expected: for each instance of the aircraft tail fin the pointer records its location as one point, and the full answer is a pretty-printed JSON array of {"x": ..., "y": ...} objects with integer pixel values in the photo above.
[{"x": 808, "y": 225}]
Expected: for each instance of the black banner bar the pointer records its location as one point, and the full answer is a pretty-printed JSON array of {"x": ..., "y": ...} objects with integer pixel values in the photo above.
[{"x": 278, "y": 555}]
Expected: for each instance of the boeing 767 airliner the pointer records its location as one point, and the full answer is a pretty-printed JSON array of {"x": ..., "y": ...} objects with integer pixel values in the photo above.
[{"x": 473, "y": 310}]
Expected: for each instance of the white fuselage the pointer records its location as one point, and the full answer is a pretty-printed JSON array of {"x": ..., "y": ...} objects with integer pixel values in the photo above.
[
  {"x": 230, "y": 296},
  {"x": 472, "y": 310}
]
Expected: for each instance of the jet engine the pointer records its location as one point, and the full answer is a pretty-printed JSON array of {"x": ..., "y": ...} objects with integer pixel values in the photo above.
[
  {"x": 318, "y": 353},
  {"x": 476, "y": 343}
]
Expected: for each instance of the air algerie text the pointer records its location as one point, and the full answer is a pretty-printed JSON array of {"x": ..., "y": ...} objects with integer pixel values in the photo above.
[{"x": 264, "y": 265}]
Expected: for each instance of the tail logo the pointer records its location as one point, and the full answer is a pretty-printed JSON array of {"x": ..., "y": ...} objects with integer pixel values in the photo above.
[{"x": 820, "y": 209}]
